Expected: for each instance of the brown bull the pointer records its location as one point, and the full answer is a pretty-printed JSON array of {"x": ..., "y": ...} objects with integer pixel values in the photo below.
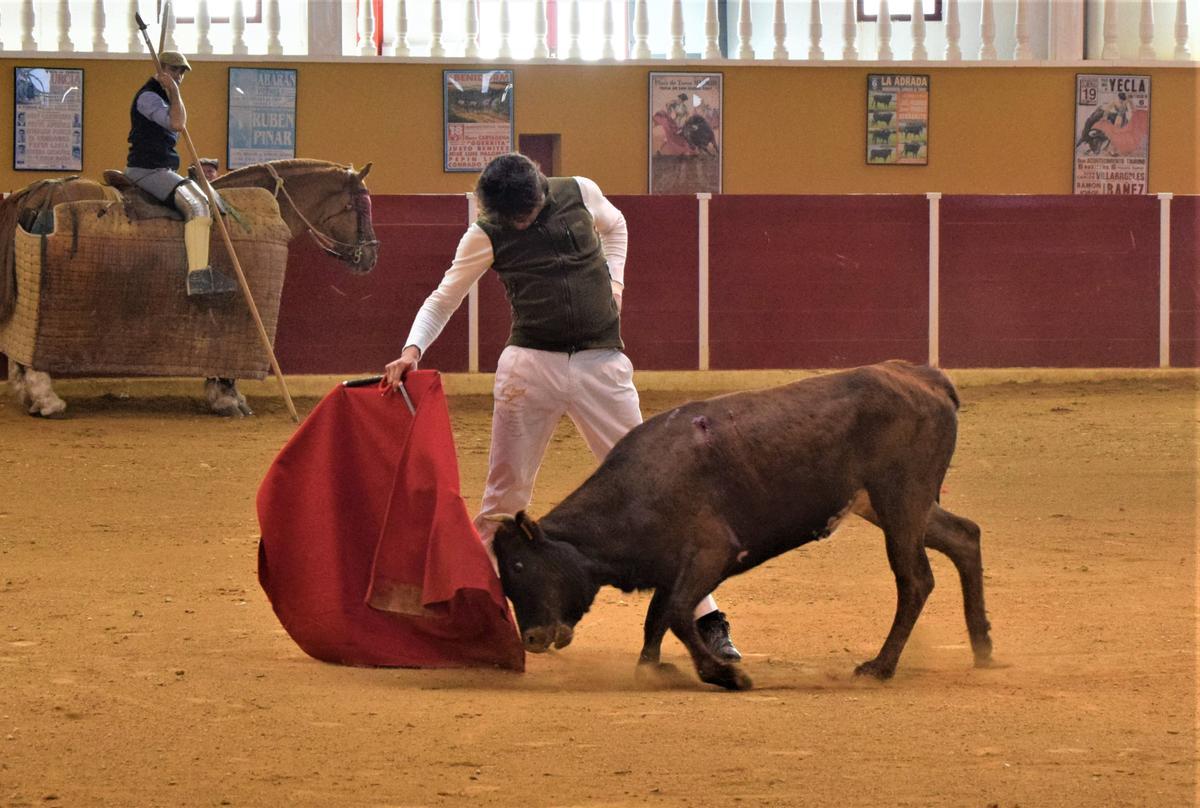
[{"x": 714, "y": 488}]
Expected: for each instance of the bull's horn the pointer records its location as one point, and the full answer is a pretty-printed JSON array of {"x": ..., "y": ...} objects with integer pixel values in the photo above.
[
  {"x": 363, "y": 173},
  {"x": 497, "y": 517},
  {"x": 526, "y": 524}
]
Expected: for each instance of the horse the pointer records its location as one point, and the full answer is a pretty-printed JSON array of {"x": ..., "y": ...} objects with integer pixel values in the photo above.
[{"x": 327, "y": 200}]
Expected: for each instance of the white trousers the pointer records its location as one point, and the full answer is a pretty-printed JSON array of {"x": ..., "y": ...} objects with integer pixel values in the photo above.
[{"x": 533, "y": 390}]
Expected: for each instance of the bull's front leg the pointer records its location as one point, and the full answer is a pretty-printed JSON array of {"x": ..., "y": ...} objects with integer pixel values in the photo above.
[
  {"x": 710, "y": 669},
  {"x": 650, "y": 668},
  {"x": 655, "y": 628}
]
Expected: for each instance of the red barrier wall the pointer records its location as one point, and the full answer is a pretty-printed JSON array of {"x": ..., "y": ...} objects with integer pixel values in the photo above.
[
  {"x": 333, "y": 322},
  {"x": 659, "y": 320},
  {"x": 797, "y": 282},
  {"x": 1049, "y": 281},
  {"x": 818, "y": 281},
  {"x": 1185, "y": 281}
]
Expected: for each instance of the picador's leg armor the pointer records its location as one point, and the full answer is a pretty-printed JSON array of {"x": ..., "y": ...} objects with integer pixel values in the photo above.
[{"x": 197, "y": 225}]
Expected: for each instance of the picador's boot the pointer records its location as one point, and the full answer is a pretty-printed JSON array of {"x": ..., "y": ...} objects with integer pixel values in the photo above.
[
  {"x": 201, "y": 278},
  {"x": 714, "y": 631}
]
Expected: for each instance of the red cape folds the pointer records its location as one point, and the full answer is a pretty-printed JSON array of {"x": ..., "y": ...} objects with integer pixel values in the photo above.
[{"x": 368, "y": 554}]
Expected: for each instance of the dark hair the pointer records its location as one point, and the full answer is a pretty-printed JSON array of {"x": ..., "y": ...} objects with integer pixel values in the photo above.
[{"x": 511, "y": 186}]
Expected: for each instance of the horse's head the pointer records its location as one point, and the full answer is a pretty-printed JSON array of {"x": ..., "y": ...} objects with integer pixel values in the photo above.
[
  {"x": 346, "y": 221},
  {"x": 328, "y": 201}
]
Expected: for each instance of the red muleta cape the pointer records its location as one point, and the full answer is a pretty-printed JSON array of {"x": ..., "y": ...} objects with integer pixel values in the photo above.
[{"x": 368, "y": 554}]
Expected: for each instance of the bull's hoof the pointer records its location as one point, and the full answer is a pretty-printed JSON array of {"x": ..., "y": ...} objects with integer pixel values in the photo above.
[
  {"x": 729, "y": 677},
  {"x": 659, "y": 674},
  {"x": 875, "y": 669}
]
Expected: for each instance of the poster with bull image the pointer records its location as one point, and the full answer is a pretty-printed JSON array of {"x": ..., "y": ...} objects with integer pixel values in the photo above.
[
  {"x": 478, "y": 110},
  {"x": 1112, "y": 134},
  {"x": 897, "y": 120},
  {"x": 685, "y": 133}
]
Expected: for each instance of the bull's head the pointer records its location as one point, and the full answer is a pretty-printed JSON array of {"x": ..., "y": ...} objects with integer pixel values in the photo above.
[{"x": 547, "y": 581}]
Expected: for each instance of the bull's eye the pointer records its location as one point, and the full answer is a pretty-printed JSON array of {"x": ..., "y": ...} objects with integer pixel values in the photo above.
[{"x": 518, "y": 566}]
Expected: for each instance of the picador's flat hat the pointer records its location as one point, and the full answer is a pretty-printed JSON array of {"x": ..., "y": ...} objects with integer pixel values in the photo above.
[{"x": 173, "y": 59}]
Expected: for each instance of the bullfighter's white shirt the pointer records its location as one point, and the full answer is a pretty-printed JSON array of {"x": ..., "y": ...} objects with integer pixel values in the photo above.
[{"x": 473, "y": 258}]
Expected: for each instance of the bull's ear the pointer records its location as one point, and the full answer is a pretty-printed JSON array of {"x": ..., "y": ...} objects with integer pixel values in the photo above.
[{"x": 528, "y": 526}]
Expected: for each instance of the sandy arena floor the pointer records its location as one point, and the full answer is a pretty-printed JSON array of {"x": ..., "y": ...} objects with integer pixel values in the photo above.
[{"x": 141, "y": 665}]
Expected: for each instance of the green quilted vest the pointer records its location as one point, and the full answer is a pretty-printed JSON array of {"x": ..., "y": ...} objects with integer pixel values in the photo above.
[{"x": 556, "y": 277}]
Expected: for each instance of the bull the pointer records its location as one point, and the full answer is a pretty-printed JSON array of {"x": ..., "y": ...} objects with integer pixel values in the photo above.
[{"x": 714, "y": 488}]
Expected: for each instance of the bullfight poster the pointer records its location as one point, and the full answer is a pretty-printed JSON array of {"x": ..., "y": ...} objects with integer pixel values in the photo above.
[
  {"x": 477, "y": 110},
  {"x": 1112, "y": 134},
  {"x": 48, "y": 119},
  {"x": 685, "y": 133},
  {"x": 262, "y": 115},
  {"x": 897, "y": 120}
]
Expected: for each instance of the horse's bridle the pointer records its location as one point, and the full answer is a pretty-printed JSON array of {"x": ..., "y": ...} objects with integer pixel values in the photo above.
[{"x": 360, "y": 203}]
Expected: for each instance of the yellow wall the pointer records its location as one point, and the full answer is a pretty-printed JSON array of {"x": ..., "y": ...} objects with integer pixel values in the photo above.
[{"x": 787, "y": 129}]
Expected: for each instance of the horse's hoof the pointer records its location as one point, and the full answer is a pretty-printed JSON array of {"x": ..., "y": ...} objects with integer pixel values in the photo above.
[
  {"x": 874, "y": 669},
  {"x": 227, "y": 410},
  {"x": 55, "y": 410}
]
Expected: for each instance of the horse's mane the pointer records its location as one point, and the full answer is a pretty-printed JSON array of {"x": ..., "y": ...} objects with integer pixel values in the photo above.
[{"x": 260, "y": 172}]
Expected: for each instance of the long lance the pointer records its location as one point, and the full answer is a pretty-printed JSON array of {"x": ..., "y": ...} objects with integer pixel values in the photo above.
[{"x": 193, "y": 155}]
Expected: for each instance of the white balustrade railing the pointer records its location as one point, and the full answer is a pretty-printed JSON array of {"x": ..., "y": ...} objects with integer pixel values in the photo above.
[{"x": 612, "y": 30}]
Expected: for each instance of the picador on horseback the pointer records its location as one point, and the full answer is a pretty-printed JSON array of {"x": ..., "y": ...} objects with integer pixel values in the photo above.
[{"x": 156, "y": 118}]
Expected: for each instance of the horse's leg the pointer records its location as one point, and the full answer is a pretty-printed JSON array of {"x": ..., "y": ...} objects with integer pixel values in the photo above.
[
  {"x": 16, "y": 380},
  {"x": 225, "y": 399},
  {"x": 35, "y": 391}
]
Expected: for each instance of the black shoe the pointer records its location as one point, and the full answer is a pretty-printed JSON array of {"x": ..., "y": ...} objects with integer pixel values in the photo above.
[
  {"x": 714, "y": 631},
  {"x": 208, "y": 281}
]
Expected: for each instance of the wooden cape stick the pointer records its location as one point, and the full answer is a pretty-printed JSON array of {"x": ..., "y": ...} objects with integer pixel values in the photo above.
[{"x": 194, "y": 156}]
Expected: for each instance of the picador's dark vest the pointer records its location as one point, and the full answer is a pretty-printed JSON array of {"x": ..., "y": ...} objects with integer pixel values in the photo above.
[
  {"x": 150, "y": 146},
  {"x": 556, "y": 276}
]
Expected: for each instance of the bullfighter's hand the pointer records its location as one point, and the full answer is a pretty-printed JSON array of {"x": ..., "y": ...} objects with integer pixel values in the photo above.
[
  {"x": 167, "y": 81},
  {"x": 397, "y": 369}
]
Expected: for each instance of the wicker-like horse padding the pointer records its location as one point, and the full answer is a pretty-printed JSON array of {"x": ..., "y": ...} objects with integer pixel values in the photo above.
[{"x": 104, "y": 295}]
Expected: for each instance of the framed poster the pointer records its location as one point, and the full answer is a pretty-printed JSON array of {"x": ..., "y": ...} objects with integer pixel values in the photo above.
[
  {"x": 48, "y": 119},
  {"x": 477, "y": 117},
  {"x": 1112, "y": 134},
  {"x": 685, "y": 133},
  {"x": 262, "y": 115},
  {"x": 897, "y": 120}
]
